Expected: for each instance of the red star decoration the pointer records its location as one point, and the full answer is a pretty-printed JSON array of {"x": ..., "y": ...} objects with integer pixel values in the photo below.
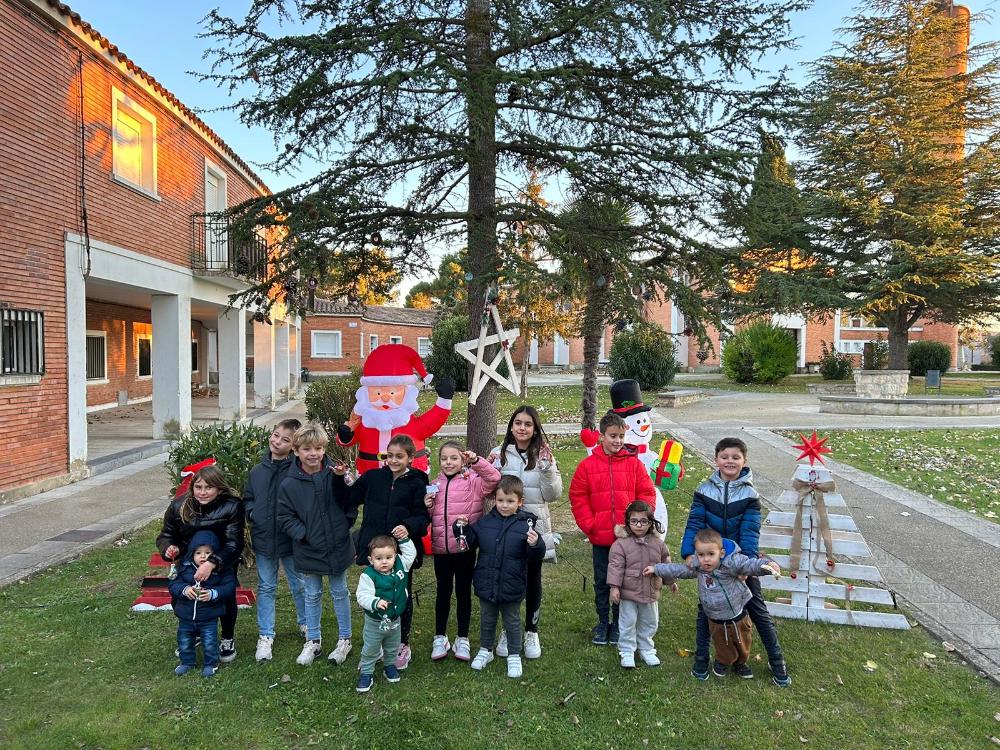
[{"x": 812, "y": 448}]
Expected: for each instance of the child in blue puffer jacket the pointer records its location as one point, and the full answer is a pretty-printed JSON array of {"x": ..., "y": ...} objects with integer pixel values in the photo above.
[
  {"x": 198, "y": 606},
  {"x": 728, "y": 503},
  {"x": 506, "y": 540}
]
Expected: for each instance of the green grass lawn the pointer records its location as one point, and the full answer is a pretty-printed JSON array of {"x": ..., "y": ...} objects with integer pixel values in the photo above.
[
  {"x": 79, "y": 670},
  {"x": 957, "y": 467},
  {"x": 555, "y": 403}
]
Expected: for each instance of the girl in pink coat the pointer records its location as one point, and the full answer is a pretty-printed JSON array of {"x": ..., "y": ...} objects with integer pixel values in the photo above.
[{"x": 460, "y": 490}]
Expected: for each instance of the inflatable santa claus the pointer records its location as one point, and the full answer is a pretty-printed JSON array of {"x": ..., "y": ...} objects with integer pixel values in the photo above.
[{"x": 387, "y": 403}]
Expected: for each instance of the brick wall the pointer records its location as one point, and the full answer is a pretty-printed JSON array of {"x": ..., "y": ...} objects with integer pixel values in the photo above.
[
  {"x": 354, "y": 342},
  {"x": 40, "y": 170}
]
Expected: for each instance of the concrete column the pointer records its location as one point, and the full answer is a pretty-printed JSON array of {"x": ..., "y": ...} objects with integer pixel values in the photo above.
[
  {"x": 232, "y": 338},
  {"x": 281, "y": 359},
  {"x": 264, "y": 391},
  {"x": 171, "y": 316},
  {"x": 76, "y": 361}
]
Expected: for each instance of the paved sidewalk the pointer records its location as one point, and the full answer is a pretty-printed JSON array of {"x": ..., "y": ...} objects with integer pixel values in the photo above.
[{"x": 942, "y": 561}]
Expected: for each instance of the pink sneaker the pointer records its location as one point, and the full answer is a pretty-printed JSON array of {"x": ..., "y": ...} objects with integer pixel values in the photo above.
[{"x": 403, "y": 656}]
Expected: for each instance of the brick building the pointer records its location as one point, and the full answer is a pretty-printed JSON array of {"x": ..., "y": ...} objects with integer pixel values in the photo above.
[
  {"x": 338, "y": 336},
  {"x": 115, "y": 285}
]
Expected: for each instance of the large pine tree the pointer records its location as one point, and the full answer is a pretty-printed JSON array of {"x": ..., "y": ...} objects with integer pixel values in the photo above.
[
  {"x": 428, "y": 113},
  {"x": 901, "y": 136}
]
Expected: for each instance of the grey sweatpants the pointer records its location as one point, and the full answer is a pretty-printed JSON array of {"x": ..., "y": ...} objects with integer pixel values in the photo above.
[
  {"x": 489, "y": 613},
  {"x": 637, "y": 624},
  {"x": 379, "y": 641}
]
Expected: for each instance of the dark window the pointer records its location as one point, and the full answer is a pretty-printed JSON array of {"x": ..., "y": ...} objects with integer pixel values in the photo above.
[
  {"x": 96, "y": 358},
  {"x": 22, "y": 342},
  {"x": 194, "y": 356},
  {"x": 145, "y": 357}
]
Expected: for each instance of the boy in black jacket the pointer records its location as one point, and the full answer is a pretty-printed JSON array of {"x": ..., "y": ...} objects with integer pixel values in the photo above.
[
  {"x": 271, "y": 545},
  {"x": 198, "y": 606},
  {"x": 506, "y": 539},
  {"x": 314, "y": 509},
  {"x": 393, "y": 496}
]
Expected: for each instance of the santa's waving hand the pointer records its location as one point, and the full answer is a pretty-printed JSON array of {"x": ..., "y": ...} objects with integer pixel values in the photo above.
[{"x": 387, "y": 403}]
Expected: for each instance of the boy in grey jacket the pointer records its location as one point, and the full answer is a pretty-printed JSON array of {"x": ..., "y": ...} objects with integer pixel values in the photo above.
[{"x": 723, "y": 595}]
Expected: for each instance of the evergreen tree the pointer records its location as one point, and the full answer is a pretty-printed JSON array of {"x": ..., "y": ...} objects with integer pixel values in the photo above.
[
  {"x": 902, "y": 137},
  {"x": 425, "y": 111}
]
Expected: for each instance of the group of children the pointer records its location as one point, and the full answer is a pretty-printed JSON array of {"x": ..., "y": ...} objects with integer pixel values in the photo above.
[{"x": 301, "y": 512}]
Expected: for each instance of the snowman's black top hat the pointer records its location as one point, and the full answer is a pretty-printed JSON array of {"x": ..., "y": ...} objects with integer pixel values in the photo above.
[{"x": 626, "y": 398}]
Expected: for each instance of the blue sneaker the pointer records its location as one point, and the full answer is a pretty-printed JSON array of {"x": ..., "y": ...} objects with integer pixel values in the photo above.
[
  {"x": 182, "y": 669},
  {"x": 365, "y": 683},
  {"x": 391, "y": 673},
  {"x": 209, "y": 671},
  {"x": 599, "y": 635},
  {"x": 719, "y": 669},
  {"x": 700, "y": 670},
  {"x": 780, "y": 676}
]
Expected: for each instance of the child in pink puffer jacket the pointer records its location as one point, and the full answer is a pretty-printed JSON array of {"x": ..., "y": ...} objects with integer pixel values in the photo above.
[{"x": 460, "y": 490}]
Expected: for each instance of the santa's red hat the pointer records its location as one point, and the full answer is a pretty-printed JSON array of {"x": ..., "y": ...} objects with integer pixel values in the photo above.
[
  {"x": 188, "y": 472},
  {"x": 394, "y": 364}
]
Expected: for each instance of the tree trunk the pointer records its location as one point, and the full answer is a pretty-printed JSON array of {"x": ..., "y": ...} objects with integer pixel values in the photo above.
[
  {"x": 593, "y": 324},
  {"x": 482, "y": 224},
  {"x": 899, "y": 339},
  {"x": 525, "y": 364}
]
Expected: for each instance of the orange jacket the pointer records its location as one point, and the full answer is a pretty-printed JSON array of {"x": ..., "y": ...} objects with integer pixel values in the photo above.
[{"x": 602, "y": 487}]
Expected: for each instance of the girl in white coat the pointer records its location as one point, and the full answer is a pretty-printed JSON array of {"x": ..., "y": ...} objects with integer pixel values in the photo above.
[{"x": 526, "y": 454}]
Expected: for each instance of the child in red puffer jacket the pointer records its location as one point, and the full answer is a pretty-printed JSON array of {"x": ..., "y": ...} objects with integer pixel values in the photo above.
[
  {"x": 605, "y": 482},
  {"x": 460, "y": 490}
]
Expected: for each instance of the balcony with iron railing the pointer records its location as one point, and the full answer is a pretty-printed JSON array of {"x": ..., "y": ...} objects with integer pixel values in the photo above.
[{"x": 217, "y": 250}]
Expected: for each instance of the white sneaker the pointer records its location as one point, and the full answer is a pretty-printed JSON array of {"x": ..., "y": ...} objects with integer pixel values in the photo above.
[
  {"x": 502, "y": 644},
  {"x": 339, "y": 654},
  {"x": 649, "y": 658},
  {"x": 440, "y": 648},
  {"x": 310, "y": 651},
  {"x": 532, "y": 648},
  {"x": 628, "y": 660},
  {"x": 483, "y": 657},
  {"x": 463, "y": 651},
  {"x": 264, "y": 644},
  {"x": 514, "y": 666}
]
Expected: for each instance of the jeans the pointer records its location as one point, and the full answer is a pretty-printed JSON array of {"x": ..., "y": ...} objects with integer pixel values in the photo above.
[
  {"x": 314, "y": 603},
  {"x": 378, "y": 642},
  {"x": 602, "y": 592},
  {"x": 489, "y": 613},
  {"x": 533, "y": 596},
  {"x": 187, "y": 631},
  {"x": 637, "y": 625},
  {"x": 454, "y": 573},
  {"x": 267, "y": 574},
  {"x": 759, "y": 616}
]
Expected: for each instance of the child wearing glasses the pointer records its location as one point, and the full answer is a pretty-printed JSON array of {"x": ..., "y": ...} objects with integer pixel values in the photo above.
[{"x": 638, "y": 546}]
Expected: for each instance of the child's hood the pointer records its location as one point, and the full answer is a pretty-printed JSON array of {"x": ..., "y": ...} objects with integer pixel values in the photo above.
[
  {"x": 622, "y": 533},
  {"x": 200, "y": 539},
  {"x": 745, "y": 478}
]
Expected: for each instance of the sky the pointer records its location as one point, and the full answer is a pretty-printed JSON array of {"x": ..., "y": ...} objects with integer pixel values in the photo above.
[{"x": 162, "y": 38}]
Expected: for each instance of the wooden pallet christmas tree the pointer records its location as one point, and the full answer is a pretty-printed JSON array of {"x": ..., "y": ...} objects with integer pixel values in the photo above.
[{"x": 816, "y": 540}]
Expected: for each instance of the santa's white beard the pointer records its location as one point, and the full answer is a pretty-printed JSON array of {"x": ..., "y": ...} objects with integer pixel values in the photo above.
[{"x": 385, "y": 419}]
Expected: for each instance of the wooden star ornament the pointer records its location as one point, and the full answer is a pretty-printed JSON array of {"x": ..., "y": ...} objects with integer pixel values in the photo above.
[
  {"x": 484, "y": 372},
  {"x": 812, "y": 448}
]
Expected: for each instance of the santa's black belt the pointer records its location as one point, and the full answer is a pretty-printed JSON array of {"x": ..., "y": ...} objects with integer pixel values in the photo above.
[{"x": 366, "y": 456}]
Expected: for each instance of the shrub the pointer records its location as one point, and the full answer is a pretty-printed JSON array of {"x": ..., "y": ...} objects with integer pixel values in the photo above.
[
  {"x": 928, "y": 355},
  {"x": 444, "y": 361},
  {"x": 834, "y": 365},
  {"x": 235, "y": 448},
  {"x": 760, "y": 353},
  {"x": 330, "y": 401},
  {"x": 645, "y": 354},
  {"x": 995, "y": 351}
]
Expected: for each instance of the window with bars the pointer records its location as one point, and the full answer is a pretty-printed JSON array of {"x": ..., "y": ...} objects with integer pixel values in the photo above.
[
  {"x": 97, "y": 356},
  {"x": 145, "y": 358},
  {"x": 22, "y": 342}
]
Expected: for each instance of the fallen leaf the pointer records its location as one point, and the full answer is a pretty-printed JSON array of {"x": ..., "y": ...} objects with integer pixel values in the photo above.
[
  {"x": 997, "y": 716},
  {"x": 568, "y": 698},
  {"x": 947, "y": 646},
  {"x": 286, "y": 678},
  {"x": 779, "y": 713},
  {"x": 995, "y": 740},
  {"x": 684, "y": 653},
  {"x": 840, "y": 680},
  {"x": 928, "y": 655},
  {"x": 802, "y": 739},
  {"x": 904, "y": 513},
  {"x": 576, "y": 719},
  {"x": 870, "y": 666}
]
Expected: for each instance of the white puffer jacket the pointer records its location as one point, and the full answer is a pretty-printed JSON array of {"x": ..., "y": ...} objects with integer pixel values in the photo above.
[{"x": 542, "y": 485}]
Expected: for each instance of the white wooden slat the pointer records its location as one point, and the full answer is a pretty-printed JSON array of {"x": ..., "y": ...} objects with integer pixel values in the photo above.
[
  {"x": 837, "y": 522},
  {"x": 849, "y": 547},
  {"x": 842, "y": 570},
  {"x": 832, "y": 499},
  {"x": 890, "y": 620},
  {"x": 785, "y": 583},
  {"x": 858, "y": 593}
]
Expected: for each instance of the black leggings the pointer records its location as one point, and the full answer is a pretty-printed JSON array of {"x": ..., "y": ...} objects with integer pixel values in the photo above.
[
  {"x": 406, "y": 619},
  {"x": 227, "y": 623},
  {"x": 533, "y": 596},
  {"x": 454, "y": 573}
]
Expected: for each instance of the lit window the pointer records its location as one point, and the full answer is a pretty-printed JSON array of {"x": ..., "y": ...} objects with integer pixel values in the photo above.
[
  {"x": 22, "y": 350},
  {"x": 134, "y": 144},
  {"x": 326, "y": 344},
  {"x": 97, "y": 356}
]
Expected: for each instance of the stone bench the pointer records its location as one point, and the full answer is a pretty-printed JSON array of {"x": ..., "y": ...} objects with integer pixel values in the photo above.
[
  {"x": 832, "y": 388},
  {"x": 992, "y": 390},
  {"x": 673, "y": 399},
  {"x": 911, "y": 407}
]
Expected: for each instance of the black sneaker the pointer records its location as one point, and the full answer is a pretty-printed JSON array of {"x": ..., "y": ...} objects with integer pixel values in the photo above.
[
  {"x": 600, "y": 634},
  {"x": 780, "y": 676},
  {"x": 743, "y": 670},
  {"x": 700, "y": 670},
  {"x": 613, "y": 634},
  {"x": 719, "y": 669},
  {"x": 227, "y": 650}
]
